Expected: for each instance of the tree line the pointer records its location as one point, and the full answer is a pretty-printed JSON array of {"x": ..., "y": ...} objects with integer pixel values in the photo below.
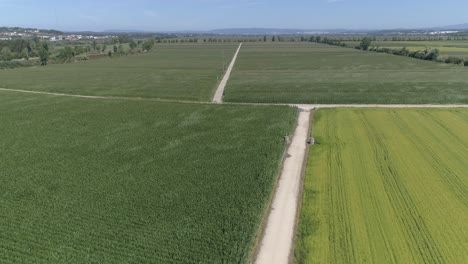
[
  {"x": 19, "y": 49},
  {"x": 428, "y": 54},
  {"x": 366, "y": 45},
  {"x": 20, "y": 52}
]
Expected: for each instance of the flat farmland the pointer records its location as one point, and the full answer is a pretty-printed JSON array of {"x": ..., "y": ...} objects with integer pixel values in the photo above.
[
  {"x": 112, "y": 181},
  {"x": 182, "y": 72},
  {"x": 386, "y": 186},
  {"x": 313, "y": 73}
]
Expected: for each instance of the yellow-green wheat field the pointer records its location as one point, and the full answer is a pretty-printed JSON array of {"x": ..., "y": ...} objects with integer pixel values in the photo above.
[{"x": 386, "y": 186}]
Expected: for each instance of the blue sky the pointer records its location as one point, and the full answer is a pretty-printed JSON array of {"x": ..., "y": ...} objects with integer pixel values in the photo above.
[{"x": 212, "y": 14}]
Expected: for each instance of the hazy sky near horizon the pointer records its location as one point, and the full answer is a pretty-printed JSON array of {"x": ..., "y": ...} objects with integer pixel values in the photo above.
[{"x": 162, "y": 15}]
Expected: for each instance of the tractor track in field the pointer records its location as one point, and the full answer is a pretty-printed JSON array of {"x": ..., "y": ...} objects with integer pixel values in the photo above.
[{"x": 103, "y": 97}]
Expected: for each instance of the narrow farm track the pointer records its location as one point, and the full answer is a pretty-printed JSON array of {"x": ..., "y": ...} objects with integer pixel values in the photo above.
[
  {"x": 218, "y": 98},
  {"x": 101, "y": 97},
  {"x": 276, "y": 243},
  {"x": 302, "y": 106},
  {"x": 318, "y": 106}
]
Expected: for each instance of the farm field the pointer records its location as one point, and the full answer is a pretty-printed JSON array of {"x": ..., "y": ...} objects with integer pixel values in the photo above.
[
  {"x": 112, "y": 181},
  {"x": 314, "y": 73},
  {"x": 386, "y": 186},
  {"x": 447, "y": 48},
  {"x": 182, "y": 72}
]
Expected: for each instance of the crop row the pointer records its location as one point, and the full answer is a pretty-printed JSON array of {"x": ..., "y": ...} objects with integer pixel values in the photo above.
[
  {"x": 113, "y": 181},
  {"x": 386, "y": 186},
  {"x": 316, "y": 73}
]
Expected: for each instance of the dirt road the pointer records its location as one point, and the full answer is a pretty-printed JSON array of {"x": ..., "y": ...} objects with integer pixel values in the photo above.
[
  {"x": 278, "y": 237},
  {"x": 317, "y": 106},
  {"x": 303, "y": 106},
  {"x": 218, "y": 98}
]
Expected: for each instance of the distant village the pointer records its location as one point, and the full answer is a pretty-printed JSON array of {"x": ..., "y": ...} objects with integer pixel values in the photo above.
[
  {"x": 51, "y": 35},
  {"x": 78, "y": 37}
]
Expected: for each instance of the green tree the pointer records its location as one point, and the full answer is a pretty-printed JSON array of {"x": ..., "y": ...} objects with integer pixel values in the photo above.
[
  {"x": 115, "y": 49},
  {"x": 121, "y": 50},
  {"x": 31, "y": 46},
  {"x": 25, "y": 54},
  {"x": 365, "y": 43},
  {"x": 44, "y": 53},
  {"x": 148, "y": 44},
  {"x": 6, "y": 54},
  {"x": 432, "y": 55},
  {"x": 133, "y": 44},
  {"x": 79, "y": 50},
  {"x": 454, "y": 60},
  {"x": 66, "y": 54}
]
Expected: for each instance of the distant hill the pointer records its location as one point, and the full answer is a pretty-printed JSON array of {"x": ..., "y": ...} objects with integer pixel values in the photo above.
[
  {"x": 123, "y": 31},
  {"x": 456, "y": 27},
  {"x": 29, "y": 30},
  {"x": 255, "y": 31},
  {"x": 278, "y": 31},
  {"x": 246, "y": 31}
]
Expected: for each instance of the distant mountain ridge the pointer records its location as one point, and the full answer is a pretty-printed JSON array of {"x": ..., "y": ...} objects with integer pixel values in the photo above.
[
  {"x": 254, "y": 31},
  {"x": 29, "y": 30},
  {"x": 123, "y": 31},
  {"x": 456, "y": 27},
  {"x": 277, "y": 31}
]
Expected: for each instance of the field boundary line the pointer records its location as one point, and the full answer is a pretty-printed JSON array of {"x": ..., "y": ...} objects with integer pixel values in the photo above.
[
  {"x": 104, "y": 97},
  {"x": 319, "y": 106},
  {"x": 277, "y": 242},
  {"x": 302, "y": 106},
  {"x": 218, "y": 97}
]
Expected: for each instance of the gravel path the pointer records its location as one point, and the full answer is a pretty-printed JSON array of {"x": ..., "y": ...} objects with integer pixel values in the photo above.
[
  {"x": 277, "y": 241},
  {"x": 303, "y": 106},
  {"x": 317, "y": 106},
  {"x": 218, "y": 98}
]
